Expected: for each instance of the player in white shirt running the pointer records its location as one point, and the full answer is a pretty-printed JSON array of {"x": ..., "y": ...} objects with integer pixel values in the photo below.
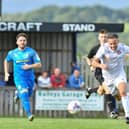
[{"x": 112, "y": 56}]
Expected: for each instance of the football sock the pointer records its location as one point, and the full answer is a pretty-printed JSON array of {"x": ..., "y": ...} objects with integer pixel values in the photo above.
[
  {"x": 113, "y": 101},
  {"x": 93, "y": 90},
  {"x": 109, "y": 102},
  {"x": 125, "y": 103},
  {"x": 26, "y": 103}
]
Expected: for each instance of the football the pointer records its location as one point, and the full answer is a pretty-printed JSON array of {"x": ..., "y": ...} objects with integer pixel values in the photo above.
[{"x": 74, "y": 107}]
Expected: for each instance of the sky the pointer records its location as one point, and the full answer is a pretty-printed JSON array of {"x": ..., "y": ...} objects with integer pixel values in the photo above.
[{"x": 15, "y": 6}]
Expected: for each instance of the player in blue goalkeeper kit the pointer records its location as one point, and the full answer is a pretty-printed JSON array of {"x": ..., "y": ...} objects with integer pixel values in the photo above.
[{"x": 24, "y": 60}]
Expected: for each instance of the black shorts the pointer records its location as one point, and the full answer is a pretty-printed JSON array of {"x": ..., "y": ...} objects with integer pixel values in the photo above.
[{"x": 98, "y": 75}]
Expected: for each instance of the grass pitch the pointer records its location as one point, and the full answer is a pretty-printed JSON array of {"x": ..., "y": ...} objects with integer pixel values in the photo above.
[{"x": 52, "y": 123}]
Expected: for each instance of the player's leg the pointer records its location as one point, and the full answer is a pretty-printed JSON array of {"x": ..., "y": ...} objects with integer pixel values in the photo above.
[
  {"x": 16, "y": 96},
  {"x": 110, "y": 101},
  {"x": 121, "y": 84},
  {"x": 99, "y": 89},
  {"x": 31, "y": 86},
  {"x": 24, "y": 97},
  {"x": 89, "y": 91},
  {"x": 125, "y": 99},
  {"x": 115, "y": 96}
]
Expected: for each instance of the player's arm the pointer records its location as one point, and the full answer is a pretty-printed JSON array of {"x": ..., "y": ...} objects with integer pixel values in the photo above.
[
  {"x": 31, "y": 66},
  {"x": 99, "y": 56},
  {"x": 96, "y": 63},
  {"x": 90, "y": 57},
  {"x": 6, "y": 70},
  {"x": 89, "y": 62},
  {"x": 36, "y": 64}
]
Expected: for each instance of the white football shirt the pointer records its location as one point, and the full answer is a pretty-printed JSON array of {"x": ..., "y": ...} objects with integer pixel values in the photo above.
[{"x": 113, "y": 59}]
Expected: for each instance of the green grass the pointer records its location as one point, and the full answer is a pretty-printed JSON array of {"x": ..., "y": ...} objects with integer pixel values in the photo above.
[{"x": 49, "y": 123}]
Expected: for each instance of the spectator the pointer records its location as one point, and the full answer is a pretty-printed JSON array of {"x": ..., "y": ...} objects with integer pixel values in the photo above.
[
  {"x": 74, "y": 66},
  {"x": 44, "y": 81},
  {"x": 76, "y": 80},
  {"x": 58, "y": 79}
]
